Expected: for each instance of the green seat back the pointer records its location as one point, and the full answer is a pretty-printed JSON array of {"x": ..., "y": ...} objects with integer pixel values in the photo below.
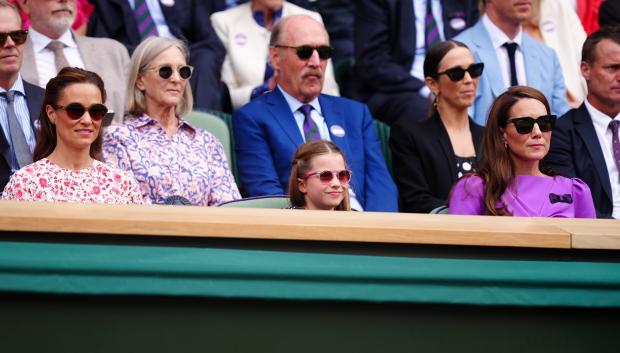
[
  {"x": 383, "y": 133},
  {"x": 260, "y": 202}
]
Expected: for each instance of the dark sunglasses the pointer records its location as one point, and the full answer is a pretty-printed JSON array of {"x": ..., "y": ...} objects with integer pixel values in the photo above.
[
  {"x": 456, "y": 74},
  {"x": 326, "y": 176},
  {"x": 76, "y": 111},
  {"x": 19, "y": 37},
  {"x": 304, "y": 52},
  {"x": 525, "y": 125},
  {"x": 166, "y": 71}
]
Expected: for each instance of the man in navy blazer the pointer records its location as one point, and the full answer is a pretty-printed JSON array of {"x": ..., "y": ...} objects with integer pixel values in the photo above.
[
  {"x": 386, "y": 43},
  {"x": 269, "y": 129},
  {"x": 582, "y": 142},
  {"x": 11, "y": 57},
  {"x": 184, "y": 19},
  {"x": 536, "y": 65}
]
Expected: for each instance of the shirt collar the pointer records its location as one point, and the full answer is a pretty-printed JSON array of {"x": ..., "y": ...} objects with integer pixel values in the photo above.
[
  {"x": 259, "y": 17},
  {"x": 498, "y": 37},
  {"x": 294, "y": 104},
  {"x": 144, "y": 120},
  {"x": 40, "y": 41},
  {"x": 18, "y": 86},
  {"x": 599, "y": 119}
]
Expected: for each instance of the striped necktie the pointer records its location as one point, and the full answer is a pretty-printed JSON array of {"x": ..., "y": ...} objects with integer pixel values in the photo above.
[
  {"x": 146, "y": 25},
  {"x": 20, "y": 151},
  {"x": 615, "y": 142},
  {"x": 311, "y": 131},
  {"x": 431, "y": 32}
]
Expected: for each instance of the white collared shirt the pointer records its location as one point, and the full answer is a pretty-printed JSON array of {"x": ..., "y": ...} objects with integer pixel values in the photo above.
[
  {"x": 157, "y": 15},
  {"x": 44, "y": 58},
  {"x": 21, "y": 111},
  {"x": 498, "y": 38},
  {"x": 419, "y": 10},
  {"x": 316, "y": 115},
  {"x": 603, "y": 132}
]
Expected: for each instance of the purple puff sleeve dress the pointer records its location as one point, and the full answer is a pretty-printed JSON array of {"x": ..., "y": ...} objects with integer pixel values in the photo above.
[{"x": 529, "y": 196}]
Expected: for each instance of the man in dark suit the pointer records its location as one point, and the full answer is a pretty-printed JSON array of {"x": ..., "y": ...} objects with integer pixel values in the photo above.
[
  {"x": 269, "y": 129},
  {"x": 20, "y": 102},
  {"x": 585, "y": 140},
  {"x": 183, "y": 19},
  {"x": 390, "y": 51}
]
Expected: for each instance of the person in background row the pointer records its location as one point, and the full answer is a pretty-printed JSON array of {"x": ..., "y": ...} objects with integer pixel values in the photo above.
[
  {"x": 586, "y": 143},
  {"x": 270, "y": 128},
  {"x": 511, "y": 58},
  {"x": 319, "y": 178},
  {"x": 132, "y": 21},
  {"x": 511, "y": 180},
  {"x": 52, "y": 45},
  {"x": 245, "y": 31},
  {"x": 555, "y": 23},
  {"x": 84, "y": 9},
  {"x": 168, "y": 156},
  {"x": 20, "y": 101},
  {"x": 609, "y": 13},
  {"x": 67, "y": 165},
  {"x": 429, "y": 156}
]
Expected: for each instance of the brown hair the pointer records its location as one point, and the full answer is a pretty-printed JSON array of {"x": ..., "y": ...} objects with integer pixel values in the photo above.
[
  {"x": 46, "y": 137},
  {"x": 497, "y": 167},
  {"x": 433, "y": 59},
  {"x": 589, "y": 46},
  {"x": 301, "y": 165}
]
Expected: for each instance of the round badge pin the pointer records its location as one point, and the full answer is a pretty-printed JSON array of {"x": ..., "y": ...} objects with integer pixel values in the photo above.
[
  {"x": 168, "y": 3},
  {"x": 548, "y": 26},
  {"x": 241, "y": 39},
  {"x": 457, "y": 23},
  {"x": 337, "y": 130}
]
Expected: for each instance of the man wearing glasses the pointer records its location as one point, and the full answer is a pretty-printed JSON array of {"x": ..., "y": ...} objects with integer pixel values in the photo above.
[
  {"x": 269, "y": 129},
  {"x": 20, "y": 102},
  {"x": 585, "y": 142}
]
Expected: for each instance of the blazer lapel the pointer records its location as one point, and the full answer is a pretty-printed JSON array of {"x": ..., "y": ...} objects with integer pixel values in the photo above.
[
  {"x": 585, "y": 129},
  {"x": 280, "y": 111},
  {"x": 531, "y": 60},
  {"x": 88, "y": 54},
  {"x": 486, "y": 53},
  {"x": 29, "y": 67},
  {"x": 334, "y": 118},
  {"x": 445, "y": 145}
]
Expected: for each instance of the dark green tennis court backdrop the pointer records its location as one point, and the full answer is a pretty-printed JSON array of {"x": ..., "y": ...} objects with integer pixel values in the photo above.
[{"x": 157, "y": 294}]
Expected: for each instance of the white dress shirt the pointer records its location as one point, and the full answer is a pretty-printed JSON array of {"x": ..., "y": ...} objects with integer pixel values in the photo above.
[
  {"x": 603, "y": 132},
  {"x": 319, "y": 120},
  {"x": 419, "y": 10},
  {"x": 44, "y": 58},
  {"x": 158, "y": 17},
  {"x": 498, "y": 38}
]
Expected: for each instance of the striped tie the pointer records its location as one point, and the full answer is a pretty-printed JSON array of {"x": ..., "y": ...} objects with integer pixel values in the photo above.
[
  {"x": 431, "y": 32},
  {"x": 615, "y": 142},
  {"x": 146, "y": 25},
  {"x": 311, "y": 131}
]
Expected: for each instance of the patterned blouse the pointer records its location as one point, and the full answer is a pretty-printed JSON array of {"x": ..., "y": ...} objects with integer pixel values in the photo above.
[
  {"x": 99, "y": 183},
  {"x": 191, "y": 163}
]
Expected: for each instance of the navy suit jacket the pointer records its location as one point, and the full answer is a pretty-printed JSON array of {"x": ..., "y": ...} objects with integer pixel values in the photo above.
[
  {"x": 187, "y": 20},
  {"x": 267, "y": 136},
  {"x": 34, "y": 100},
  {"x": 576, "y": 152},
  {"x": 385, "y": 40}
]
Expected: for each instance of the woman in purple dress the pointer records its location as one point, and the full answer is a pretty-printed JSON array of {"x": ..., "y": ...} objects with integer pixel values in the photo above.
[{"x": 511, "y": 180}]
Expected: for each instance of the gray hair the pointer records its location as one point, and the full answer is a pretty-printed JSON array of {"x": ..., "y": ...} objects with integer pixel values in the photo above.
[
  {"x": 5, "y": 3},
  {"x": 142, "y": 57}
]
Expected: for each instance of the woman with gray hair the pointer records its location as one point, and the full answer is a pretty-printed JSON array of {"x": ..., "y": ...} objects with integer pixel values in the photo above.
[{"x": 169, "y": 157}]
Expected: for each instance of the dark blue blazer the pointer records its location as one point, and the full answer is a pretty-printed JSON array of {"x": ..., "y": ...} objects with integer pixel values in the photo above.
[
  {"x": 187, "y": 20},
  {"x": 385, "y": 40},
  {"x": 34, "y": 100},
  {"x": 576, "y": 152},
  {"x": 267, "y": 136}
]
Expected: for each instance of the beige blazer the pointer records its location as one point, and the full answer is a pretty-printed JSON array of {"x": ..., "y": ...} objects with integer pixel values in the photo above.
[
  {"x": 107, "y": 57},
  {"x": 247, "y": 50},
  {"x": 561, "y": 30}
]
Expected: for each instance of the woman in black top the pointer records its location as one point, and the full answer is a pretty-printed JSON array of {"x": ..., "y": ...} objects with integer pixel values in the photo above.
[{"x": 428, "y": 157}]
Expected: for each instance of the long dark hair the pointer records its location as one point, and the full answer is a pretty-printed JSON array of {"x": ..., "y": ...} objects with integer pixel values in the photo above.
[
  {"x": 46, "y": 137},
  {"x": 301, "y": 165},
  {"x": 497, "y": 167},
  {"x": 433, "y": 59}
]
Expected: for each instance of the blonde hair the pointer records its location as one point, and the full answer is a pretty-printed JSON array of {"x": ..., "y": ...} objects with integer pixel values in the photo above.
[{"x": 142, "y": 57}]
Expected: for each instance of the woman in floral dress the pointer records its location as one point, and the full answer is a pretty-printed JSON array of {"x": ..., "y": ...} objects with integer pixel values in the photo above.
[{"x": 67, "y": 166}]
